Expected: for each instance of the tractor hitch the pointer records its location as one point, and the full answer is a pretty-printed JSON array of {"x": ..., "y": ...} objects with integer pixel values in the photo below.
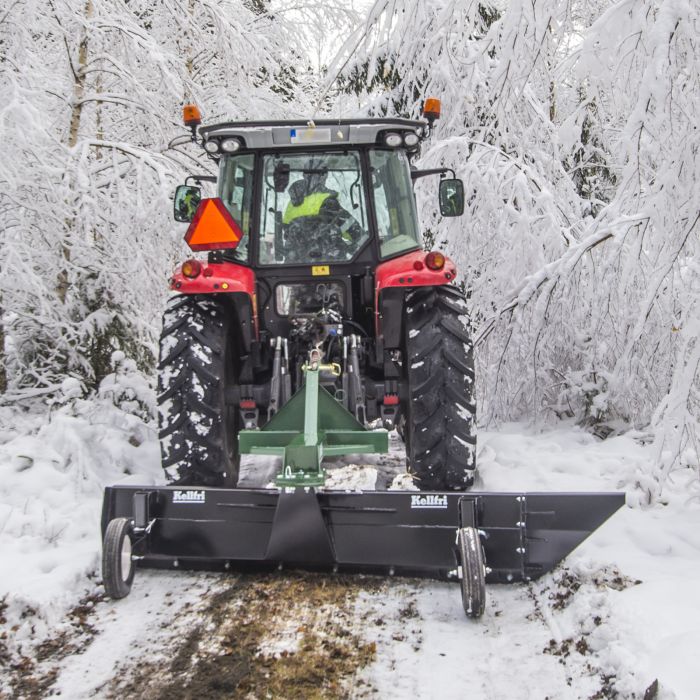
[{"x": 310, "y": 426}]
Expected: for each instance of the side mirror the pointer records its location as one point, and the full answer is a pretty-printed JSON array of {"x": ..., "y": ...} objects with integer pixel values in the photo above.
[
  {"x": 451, "y": 197},
  {"x": 187, "y": 199}
]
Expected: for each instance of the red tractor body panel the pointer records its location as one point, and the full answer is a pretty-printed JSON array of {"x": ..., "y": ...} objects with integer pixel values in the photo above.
[
  {"x": 409, "y": 271},
  {"x": 220, "y": 278}
]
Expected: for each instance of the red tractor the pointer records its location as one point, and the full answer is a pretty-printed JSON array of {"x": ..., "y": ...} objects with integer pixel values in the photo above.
[{"x": 315, "y": 254}]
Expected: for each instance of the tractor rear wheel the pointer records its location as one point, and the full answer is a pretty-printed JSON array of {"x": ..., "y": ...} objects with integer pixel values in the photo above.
[
  {"x": 198, "y": 428},
  {"x": 440, "y": 419}
]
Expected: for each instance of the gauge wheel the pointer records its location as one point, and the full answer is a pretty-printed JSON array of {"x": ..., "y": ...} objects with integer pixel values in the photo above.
[
  {"x": 118, "y": 566},
  {"x": 473, "y": 580}
]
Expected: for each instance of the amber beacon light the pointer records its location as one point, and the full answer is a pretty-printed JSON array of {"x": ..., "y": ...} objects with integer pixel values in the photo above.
[
  {"x": 191, "y": 115},
  {"x": 431, "y": 109}
]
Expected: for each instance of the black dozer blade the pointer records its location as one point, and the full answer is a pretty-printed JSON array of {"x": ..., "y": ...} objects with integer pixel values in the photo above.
[{"x": 524, "y": 535}]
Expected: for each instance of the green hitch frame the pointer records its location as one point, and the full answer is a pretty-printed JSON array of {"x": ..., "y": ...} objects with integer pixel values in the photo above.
[{"x": 310, "y": 426}]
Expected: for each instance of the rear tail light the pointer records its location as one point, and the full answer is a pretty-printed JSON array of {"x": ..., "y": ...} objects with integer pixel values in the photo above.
[
  {"x": 191, "y": 268},
  {"x": 435, "y": 260},
  {"x": 418, "y": 265}
]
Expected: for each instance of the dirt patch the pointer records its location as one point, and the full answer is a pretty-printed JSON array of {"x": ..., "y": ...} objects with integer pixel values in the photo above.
[
  {"x": 566, "y": 583},
  {"x": 4, "y": 651},
  {"x": 575, "y": 653},
  {"x": 278, "y": 636},
  {"x": 32, "y": 672},
  {"x": 566, "y": 647},
  {"x": 564, "y": 591}
]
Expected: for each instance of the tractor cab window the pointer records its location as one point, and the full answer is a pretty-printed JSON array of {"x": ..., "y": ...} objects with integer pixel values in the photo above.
[
  {"x": 236, "y": 192},
  {"x": 313, "y": 208},
  {"x": 395, "y": 206}
]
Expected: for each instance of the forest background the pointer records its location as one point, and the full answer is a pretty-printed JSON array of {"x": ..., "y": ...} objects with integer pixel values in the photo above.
[{"x": 573, "y": 124}]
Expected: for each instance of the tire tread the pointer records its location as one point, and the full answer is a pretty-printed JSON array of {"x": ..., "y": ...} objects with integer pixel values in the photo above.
[
  {"x": 441, "y": 417},
  {"x": 191, "y": 394}
]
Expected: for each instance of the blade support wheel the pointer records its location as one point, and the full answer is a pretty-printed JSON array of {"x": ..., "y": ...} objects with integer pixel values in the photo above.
[
  {"x": 473, "y": 580},
  {"x": 118, "y": 567}
]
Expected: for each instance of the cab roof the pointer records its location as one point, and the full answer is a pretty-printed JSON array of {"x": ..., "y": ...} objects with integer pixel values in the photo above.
[{"x": 303, "y": 132}]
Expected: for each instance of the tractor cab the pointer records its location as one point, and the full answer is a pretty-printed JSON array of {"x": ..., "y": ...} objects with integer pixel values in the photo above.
[{"x": 330, "y": 192}]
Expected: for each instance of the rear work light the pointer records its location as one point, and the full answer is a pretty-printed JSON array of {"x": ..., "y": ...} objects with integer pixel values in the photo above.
[
  {"x": 211, "y": 146},
  {"x": 393, "y": 140},
  {"x": 191, "y": 268},
  {"x": 230, "y": 145},
  {"x": 435, "y": 260}
]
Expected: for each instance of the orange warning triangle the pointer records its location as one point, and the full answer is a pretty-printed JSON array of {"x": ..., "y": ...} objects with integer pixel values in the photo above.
[{"x": 213, "y": 227}]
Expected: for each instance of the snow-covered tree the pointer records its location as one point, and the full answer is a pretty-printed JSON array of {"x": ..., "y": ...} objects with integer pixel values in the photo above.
[
  {"x": 92, "y": 96},
  {"x": 573, "y": 127}
]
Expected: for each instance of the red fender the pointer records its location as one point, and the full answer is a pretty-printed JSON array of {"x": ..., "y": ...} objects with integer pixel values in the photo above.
[
  {"x": 220, "y": 278},
  {"x": 403, "y": 272}
]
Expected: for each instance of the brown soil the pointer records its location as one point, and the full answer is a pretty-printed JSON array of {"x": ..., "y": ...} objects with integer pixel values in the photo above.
[
  {"x": 32, "y": 673},
  {"x": 265, "y": 636}
]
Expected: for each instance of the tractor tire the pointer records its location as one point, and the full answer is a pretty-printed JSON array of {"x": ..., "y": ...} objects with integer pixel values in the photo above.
[
  {"x": 198, "y": 428},
  {"x": 439, "y": 425}
]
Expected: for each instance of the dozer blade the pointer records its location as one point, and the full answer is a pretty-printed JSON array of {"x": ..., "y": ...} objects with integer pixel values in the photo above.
[{"x": 524, "y": 535}]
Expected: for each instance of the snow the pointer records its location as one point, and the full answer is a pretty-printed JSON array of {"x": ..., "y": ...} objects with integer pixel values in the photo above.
[
  {"x": 51, "y": 482},
  {"x": 353, "y": 477},
  {"x": 403, "y": 482},
  {"x": 647, "y": 631},
  {"x": 609, "y": 626}
]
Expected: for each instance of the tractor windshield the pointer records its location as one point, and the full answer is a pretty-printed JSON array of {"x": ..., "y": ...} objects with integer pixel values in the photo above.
[
  {"x": 395, "y": 206},
  {"x": 313, "y": 208}
]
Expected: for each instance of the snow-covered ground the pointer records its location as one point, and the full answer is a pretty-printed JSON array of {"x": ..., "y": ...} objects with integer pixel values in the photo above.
[{"x": 620, "y": 618}]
